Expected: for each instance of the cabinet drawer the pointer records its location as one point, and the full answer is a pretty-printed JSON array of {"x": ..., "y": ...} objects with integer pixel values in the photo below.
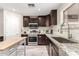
[{"x": 54, "y": 51}]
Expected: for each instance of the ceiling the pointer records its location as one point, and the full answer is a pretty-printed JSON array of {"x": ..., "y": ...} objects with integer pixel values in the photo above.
[{"x": 22, "y": 8}]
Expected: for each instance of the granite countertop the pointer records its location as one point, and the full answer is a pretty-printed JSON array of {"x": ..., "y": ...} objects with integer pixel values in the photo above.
[
  {"x": 9, "y": 42},
  {"x": 71, "y": 49}
]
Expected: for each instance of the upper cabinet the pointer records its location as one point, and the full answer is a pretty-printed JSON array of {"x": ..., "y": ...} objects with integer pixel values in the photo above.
[
  {"x": 33, "y": 20},
  {"x": 48, "y": 20},
  {"x": 53, "y": 16},
  {"x": 42, "y": 21},
  {"x": 25, "y": 21}
]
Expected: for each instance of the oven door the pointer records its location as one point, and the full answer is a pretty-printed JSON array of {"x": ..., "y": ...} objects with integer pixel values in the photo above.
[{"x": 32, "y": 39}]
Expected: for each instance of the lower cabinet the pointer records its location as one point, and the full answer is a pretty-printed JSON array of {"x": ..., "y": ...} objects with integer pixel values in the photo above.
[
  {"x": 53, "y": 50},
  {"x": 49, "y": 49},
  {"x": 22, "y": 35},
  {"x": 43, "y": 40}
]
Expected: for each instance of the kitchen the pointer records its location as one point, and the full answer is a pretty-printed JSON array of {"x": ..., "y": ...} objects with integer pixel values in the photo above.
[{"x": 39, "y": 29}]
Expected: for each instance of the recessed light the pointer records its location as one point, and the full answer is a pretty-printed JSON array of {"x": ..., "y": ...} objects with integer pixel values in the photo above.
[
  {"x": 14, "y": 9},
  {"x": 38, "y": 9}
]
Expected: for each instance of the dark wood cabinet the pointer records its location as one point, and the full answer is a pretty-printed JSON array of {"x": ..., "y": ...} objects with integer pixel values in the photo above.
[
  {"x": 53, "y": 16},
  {"x": 26, "y": 21},
  {"x": 42, "y": 21},
  {"x": 33, "y": 20},
  {"x": 23, "y": 35},
  {"x": 48, "y": 20},
  {"x": 53, "y": 49},
  {"x": 43, "y": 40}
]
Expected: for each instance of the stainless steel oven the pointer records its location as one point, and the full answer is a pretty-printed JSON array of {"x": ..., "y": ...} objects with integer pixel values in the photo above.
[{"x": 32, "y": 39}]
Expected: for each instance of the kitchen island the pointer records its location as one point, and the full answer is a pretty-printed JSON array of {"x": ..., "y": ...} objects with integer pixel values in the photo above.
[{"x": 9, "y": 46}]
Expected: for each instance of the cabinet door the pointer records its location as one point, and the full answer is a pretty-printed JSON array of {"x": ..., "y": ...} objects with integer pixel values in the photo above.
[
  {"x": 42, "y": 21},
  {"x": 25, "y": 21},
  {"x": 33, "y": 20},
  {"x": 26, "y": 39},
  {"x": 40, "y": 40},
  {"x": 53, "y": 16},
  {"x": 54, "y": 50},
  {"x": 49, "y": 49},
  {"x": 48, "y": 23},
  {"x": 47, "y": 40},
  {"x": 43, "y": 40}
]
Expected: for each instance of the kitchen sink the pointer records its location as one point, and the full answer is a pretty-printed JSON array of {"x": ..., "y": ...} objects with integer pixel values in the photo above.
[{"x": 63, "y": 40}]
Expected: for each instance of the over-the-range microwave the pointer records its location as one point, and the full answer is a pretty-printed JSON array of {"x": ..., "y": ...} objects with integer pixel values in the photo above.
[{"x": 33, "y": 25}]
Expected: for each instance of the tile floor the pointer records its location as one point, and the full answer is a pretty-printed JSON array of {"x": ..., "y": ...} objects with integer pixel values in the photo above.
[{"x": 33, "y": 51}]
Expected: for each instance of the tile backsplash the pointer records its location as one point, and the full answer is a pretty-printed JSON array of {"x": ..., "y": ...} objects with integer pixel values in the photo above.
[
  {"x": 74, "y": 31},
  {"x": 41, "y": 29}
]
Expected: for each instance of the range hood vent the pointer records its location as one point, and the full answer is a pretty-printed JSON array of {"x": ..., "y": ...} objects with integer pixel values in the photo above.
[{"x": 31, "y": 5}]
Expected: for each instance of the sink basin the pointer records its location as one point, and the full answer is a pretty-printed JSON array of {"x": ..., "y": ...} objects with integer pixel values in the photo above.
[{"x": 63, "y": 40}]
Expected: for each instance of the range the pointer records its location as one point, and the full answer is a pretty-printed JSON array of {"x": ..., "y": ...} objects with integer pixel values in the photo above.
[{"x": 33, "y": 37}]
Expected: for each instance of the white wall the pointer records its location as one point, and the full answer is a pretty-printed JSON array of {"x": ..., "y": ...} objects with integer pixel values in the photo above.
[
  {"x": 60, "y": 12},
  {"x": 41, "y": 29},
  {"x": 60, "y": 19},
  {"x": 1, "y": 23},
  {"x": 74, "y": 31},
  {"x": 12, "y": 23}
]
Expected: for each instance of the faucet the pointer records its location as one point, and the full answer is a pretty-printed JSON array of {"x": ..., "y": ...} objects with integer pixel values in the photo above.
[{"x": 69, "y": 34}]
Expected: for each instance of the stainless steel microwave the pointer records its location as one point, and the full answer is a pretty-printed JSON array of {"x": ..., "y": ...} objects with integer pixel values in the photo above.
[{"x": 33, "y": 25}]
